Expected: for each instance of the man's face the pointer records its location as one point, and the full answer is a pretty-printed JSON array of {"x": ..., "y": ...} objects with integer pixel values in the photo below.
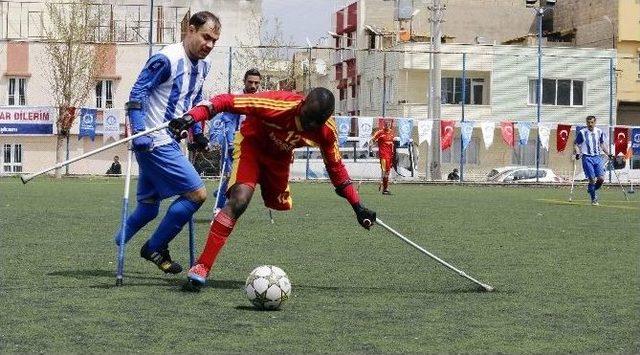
[
  {"x": 251, "y": 84},
  {"x": 200, "y": 42},
  {"x": 591, "y": 123}
]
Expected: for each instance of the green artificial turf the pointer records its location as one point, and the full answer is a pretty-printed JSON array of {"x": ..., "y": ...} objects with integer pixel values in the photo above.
[{"x": 566, "y": 274}]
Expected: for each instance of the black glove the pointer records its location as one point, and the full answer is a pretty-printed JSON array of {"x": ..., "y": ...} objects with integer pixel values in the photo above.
[
  {"x": 366, "y": 217},
  {"x": 611, "y": 157},
  {"x": 179, "y": 127},
  {"x": 200, "y": 142},
  {"x": 577, "y": 156}
]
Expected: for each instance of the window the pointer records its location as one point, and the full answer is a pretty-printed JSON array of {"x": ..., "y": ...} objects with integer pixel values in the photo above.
[
  {"x": 526, "y": 154},
  {"x": 557, "y": 92},
  {"x": 17, "y": 92},
  {"x": 12, "y": 158},
  {"x": 452, "y": 155},
  {"x": 104, "y": 94},
  {"x": 451, "y": 90}
]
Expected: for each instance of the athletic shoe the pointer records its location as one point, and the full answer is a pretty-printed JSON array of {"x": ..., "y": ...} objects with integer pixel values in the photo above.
[
  {"x": 198, "y": 275},
  {"x": 386, "y": 192},
  {"x": 595, "y": 203},
  {"x": 162, "y": 259}
]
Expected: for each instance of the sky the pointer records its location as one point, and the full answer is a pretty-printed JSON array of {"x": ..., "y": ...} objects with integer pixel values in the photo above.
[{"x": 302, "y": 18}]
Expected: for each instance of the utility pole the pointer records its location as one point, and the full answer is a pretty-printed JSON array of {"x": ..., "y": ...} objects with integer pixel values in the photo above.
[{"x": 435, "y": 97}]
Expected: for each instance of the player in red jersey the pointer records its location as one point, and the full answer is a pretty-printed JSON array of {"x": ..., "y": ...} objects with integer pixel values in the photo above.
[
  {"x": 384, "y": 138},
  {"x": 276, "y": 123}
]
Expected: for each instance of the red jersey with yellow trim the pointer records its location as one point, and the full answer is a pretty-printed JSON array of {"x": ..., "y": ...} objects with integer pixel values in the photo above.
[
  {"x": 273, "y": 122},
  {"x": 384, "y": 139}
]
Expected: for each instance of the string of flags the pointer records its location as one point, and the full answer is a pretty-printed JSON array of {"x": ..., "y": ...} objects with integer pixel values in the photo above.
[{"x": 511, "y": 132}]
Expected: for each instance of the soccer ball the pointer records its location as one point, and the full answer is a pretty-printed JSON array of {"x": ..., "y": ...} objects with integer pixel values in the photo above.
[{"x": 267, "y": 287}]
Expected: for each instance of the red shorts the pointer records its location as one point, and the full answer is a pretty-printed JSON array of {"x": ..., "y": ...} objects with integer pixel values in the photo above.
[
  {"x": 253, "y": 165},
  {"x": 385, "y": 163}
]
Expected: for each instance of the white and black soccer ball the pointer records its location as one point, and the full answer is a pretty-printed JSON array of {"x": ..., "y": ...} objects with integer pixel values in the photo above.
[{"x": 267, "y": 287}]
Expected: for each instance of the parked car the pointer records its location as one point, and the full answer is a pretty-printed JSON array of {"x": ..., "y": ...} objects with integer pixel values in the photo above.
[
  {"x": 497, "y": 171},
  {"x": 528, "y": 174}
]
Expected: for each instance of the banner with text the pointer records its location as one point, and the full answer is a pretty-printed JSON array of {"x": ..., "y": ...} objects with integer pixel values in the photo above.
[{"x": 26, "y": 120}]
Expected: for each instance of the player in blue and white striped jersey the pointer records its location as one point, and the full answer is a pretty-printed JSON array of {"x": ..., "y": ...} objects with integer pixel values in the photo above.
[
  {"x": 590, "y": 143},
  {"x": 168, "y": 86}
]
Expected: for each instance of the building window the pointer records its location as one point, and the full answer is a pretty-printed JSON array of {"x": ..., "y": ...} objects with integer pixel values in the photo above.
[
  {"x": 17, "y": 92},
  {"x": 104, "y": 94},
  {"x": 12, "y": 158},
  {"x": 526, "y": 154},
  {"x": 452, "y": 91},
  {"x": 557, "y": 92},
  {"x": 471, "y": 155}
]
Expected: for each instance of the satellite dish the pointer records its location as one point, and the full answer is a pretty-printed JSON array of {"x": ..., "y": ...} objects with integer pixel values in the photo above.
[{"x": 321, "y": 67}]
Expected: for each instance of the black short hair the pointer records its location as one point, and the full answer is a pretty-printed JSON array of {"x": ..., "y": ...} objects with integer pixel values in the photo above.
[
  {"x": 321, "y": 104},
  {"x": 200, "y": 18},
  {"x": 590, "y": 117},
  {"x": 252, "y": 72}
]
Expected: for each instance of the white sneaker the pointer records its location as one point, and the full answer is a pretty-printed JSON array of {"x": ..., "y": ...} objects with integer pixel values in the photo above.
[{"x": 595, "y": 203}]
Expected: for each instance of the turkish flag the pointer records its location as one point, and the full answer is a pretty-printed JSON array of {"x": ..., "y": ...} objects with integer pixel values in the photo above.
[
  {"x": 562, "y": 136},
  {"x": 621, "y": 136},
  {"x": 446, "y": 133},
  {"x": 507, "y": 133}
]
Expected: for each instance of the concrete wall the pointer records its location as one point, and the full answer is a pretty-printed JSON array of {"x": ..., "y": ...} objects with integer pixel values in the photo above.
[{"x": 587, "y": 17}]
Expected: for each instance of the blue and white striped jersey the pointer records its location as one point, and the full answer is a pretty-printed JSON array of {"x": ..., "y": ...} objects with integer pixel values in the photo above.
[
  {"x": 168, "y": 86},
  {"x": 589, "y": 141}
]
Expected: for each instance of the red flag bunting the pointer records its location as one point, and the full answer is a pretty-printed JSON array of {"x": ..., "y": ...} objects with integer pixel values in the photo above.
[
  {"x": 446, "y": 133},
  {"x": 507, "y": 133},
  {"x": 621, "y": 136},
  {"x": 562, "y": 136}
]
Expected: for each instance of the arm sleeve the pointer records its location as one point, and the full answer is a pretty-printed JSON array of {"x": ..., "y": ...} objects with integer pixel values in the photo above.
[
  {"x": 579, "y": 138},
  {"x": 268, "y": 105},
  {"x": 331, "y": 155},
  {"x": 156, "y": 70}
]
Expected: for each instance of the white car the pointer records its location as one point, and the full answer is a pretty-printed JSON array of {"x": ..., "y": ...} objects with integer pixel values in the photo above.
[
  {"x": 528, "y": 174},
  {"x": 494, "y": 173}
]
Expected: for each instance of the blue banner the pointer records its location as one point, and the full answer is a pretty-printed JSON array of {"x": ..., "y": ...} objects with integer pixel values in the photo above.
[
  {"x": 523, "y": 131},
  {"x": 405, "y": 126},
  {"x": 635, "y": 141},
  {"x": 87, "y": 123},
  {"x": 466, "y": 130},
  {"x": 26, "y": 120},
  {"x": 344, "y": 126}
]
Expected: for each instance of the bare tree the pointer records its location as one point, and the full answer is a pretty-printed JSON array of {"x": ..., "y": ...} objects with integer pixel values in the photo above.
[
  {"x": 272, "y": 56},
  {"x": 72, "y": 61}
]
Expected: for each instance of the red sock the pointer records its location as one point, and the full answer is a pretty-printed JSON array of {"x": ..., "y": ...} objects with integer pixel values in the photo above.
[
  {"x": 385, "y": 183},
  {"x": 218, "y": 234}
]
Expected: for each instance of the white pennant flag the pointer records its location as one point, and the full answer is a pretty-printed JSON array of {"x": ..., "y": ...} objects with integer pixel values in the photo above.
[
  {"x": 544, "y": 131},
  {"x": 365, "y": 128},
  {"x": 487, "y": 133},
  {"x": 424, "y": 131},
  {"x": 110, "y": 125}
]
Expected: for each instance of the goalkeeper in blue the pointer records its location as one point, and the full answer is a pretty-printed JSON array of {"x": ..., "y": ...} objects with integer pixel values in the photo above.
[
  {"x": 589, "y": 145},
  {"x": 222, "y": 133},
  {"x": 168, "y": 86}
]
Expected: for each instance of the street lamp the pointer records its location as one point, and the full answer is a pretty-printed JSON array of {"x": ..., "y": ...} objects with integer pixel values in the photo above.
[{"x": 539, "y": 9}]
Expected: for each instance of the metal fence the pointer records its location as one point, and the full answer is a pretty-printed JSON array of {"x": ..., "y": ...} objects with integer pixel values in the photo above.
[{"x": 479, "y": 85}]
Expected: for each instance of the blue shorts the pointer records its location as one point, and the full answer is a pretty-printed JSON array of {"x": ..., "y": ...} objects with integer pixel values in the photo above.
[
  {"x": 593, "y": 166},
  {"x": 164, "y": 172}
]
